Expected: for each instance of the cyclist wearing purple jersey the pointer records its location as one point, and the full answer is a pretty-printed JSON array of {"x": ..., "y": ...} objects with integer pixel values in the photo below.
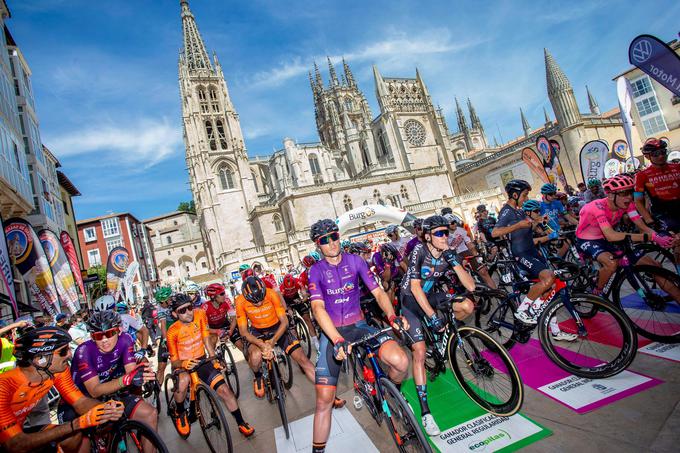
[{"x": 335, "y": 298}]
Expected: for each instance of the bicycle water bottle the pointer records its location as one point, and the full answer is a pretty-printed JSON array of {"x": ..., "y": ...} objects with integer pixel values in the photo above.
[
  {"x": 369, "y": 376},
  {"x": 358, "y": 403}
]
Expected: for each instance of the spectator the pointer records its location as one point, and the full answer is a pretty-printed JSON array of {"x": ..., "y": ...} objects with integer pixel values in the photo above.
[{"x": 6, "y": 357}]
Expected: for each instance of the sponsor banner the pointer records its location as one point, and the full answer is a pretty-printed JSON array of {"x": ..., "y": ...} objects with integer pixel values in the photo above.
[
  {"x": 558, "y": 164},
  {"x": 31, "y": 262},
  {"x": 61, "y": 270},
  {"x": 656, "y": 59},
  {"x": 547, "y": 153},
  {"x": 612, "y": 168},
  {"x": 535, "y": 164},
  {"x": 592, "y": 157},
  {"x": 72, "y": 257},
  {"x": 579, "y": 394},
  {"x": 665, "y": 351},
  {"x": 673, "y": 155},
  {"x": 469, "y": 427},
  {"x": 632, "y": 164},
  {"x": 116, "y": 265},
  {"x": 619, "y": 150},
  {"x": 623, "y": 92},
  {"x": 6, "y": 275},
  {"x": 371, "y": 213},
  {"x": 128, "y": 279}
]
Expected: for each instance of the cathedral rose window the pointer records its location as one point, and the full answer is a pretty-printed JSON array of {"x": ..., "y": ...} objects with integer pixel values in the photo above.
[{"x": 415, "y": 132}]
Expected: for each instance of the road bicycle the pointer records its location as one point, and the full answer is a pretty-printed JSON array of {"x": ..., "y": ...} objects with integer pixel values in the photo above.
[
  {"x": 299, "y": 328},
  {"x": 226, "y": 358},
  {"x": 274, "y": 384},
  {"x": 202, "y": 404}
]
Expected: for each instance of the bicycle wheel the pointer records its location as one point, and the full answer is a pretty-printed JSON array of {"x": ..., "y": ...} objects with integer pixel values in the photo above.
[
  {"x": 476, "y": 359},
  {"x": 130, "y": 436},
  {"x": 151, "y": 392},
  {"x": 500, "y": 322},
  {"x": 212, "y": 420},
  {"x": 302, "y": 333},
  {"x": 605, "y": 345},
  {"x": 279, "y": 396},
  {"x": 285, "y": 367},
  {"x": 170, "y": 384},
  {"x": 648, "y": 302},
  {"x": 363, "y": 387},
  {"x": 659, "y": 254},
  {"x": 400, "y": 421},
  {"x": 230, "y": 370}
]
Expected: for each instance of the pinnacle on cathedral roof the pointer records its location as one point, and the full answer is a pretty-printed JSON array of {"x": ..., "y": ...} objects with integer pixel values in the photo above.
[
  {"x": 331, "y": 71},
  {"x": 547, "y": 117},
  {"x": 555, "y": 77},
  {"x": 525, "y": 123},
  {"x": 462, "y": 124},
  {"x": 317, "y": 76},
  {"x": 474, "y": 119},
  {"x": 349, "y": 77},
  {"x": 592, "y": 103},
  {"x": 194, "y": 53}
]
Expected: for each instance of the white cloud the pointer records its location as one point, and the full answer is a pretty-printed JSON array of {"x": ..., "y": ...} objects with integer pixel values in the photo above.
[{"x": 145, "y": 142}]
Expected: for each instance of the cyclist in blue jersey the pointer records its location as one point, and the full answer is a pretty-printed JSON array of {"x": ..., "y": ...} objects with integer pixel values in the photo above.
[
  {"x": 334, "y": 294},
  {"x": 555, "y": 212}
]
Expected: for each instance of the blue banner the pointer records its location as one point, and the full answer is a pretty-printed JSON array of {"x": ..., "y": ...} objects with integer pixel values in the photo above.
[{"x": 656, "y": 59}]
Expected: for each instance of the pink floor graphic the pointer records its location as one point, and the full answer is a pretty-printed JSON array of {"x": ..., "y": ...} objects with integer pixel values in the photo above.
[{"x": 579, "y": 394}]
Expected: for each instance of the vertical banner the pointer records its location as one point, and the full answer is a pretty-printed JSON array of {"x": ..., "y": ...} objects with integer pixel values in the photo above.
[
  {"x": 116, "y": 266},
  {"x": 547, "y": 153},
  {"x": 535, "y": 164},
  {"x": 623, "y": 92},
  {"x": 558, "y": 164},
  {"x": 6, "y": 275},
  {"x": 29, "y": 258},
  {"x": 592, "y": 157},
  {"x": 128, "y": 279},
  {"x": 612, "y": 168},
  {"x": 61, "y": 270},
  {"x": 657, "y": 60},
  {"x": 70, "y": 251}
]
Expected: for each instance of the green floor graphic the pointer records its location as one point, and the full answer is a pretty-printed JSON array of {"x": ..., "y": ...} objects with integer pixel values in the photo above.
[{"x": 475, "y": 429}]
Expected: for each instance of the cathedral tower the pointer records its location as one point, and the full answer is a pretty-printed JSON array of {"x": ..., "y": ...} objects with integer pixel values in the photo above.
[
  {"x": 219, "y": 174},
  {"x": 561, "y": 94}
]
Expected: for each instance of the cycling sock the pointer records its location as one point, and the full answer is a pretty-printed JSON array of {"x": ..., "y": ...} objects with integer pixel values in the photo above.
[
  {"x": 422, "y": 397},
  {"x": 238, "y": 417},
  {"x": 526, "y": 303},
  {"x": 258, "y": 374},
  {"x": 554, "y": 328},
  {"x": 179, "y": 407},
  {"x": 318, "y": 447}
]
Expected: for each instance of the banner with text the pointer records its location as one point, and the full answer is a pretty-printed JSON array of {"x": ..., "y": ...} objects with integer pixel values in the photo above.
[
  {"x": 70, "y": 250},
  {"x": 61, "y": 270},
  {"x": 6, "y": 275},
  {"x": 592, "y": 158},
  {"x": 116, "y": 265},
  {"x": 128, "y": 279},
  {"x": 657, "y": 60},
  {"x": 535, "y": 164},
  {"x": 557, "y": 148},
  {"x": 374, "y": 213},
  {"x": 623, "y": 93}
]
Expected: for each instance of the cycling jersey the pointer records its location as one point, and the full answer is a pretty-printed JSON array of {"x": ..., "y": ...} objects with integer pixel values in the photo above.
[
  {"x": 596, "y": 215},
  {"x": 415, "y": 240},
  {"x": 379, "y": 262},
  {"x": 590, "y": 196},
  {"x": 303, "y": 279},
  {"x": 129, "y": 324},
  {"x": 425, "y": 267},
  {"x": 484, "y": 227},
  {"x": 185, "y": 340},
  {"x": 521, "y": 241},
  {"x": 260, "y": 316},
  {"x": 663, "y": 186},
  {"x": 338, "y": 287},
  {"x": 89, "y": 361},
  {"x": 269, "y": 280},
  {"x": 166, "y": 313},
  {"x": 553, "y": 210},
  {"x": 400, "y": 244},
  {"x": 458, "y": 240},
  {"x": 18, "y": 397},
  {"x": 290, "y": 293},
  {"x": 218, "y": 317}
]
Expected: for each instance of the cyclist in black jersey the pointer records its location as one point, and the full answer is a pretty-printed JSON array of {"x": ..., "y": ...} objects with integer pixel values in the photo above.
[{"x": 428, "y": 263}]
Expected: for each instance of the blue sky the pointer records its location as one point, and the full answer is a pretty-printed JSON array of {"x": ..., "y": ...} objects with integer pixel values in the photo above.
[{"x": 105, "y": 72}]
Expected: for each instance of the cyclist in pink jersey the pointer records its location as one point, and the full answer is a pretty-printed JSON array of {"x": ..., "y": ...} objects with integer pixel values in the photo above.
[{"x": 595, "y": 232}]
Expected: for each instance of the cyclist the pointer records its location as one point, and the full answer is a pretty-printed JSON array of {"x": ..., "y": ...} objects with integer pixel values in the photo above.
[
  {"x": 291, "y": 291},
  {"x": 574, "y": 205},
  {"x": 661, "y": 181},
  {"x": 345, "y": 245},
  {"x": 243, "y": 268},
  {"x": 105, "y": 367},
  {"x": 165, "y": 320},
  {"x": 392, "y": 232},
  {"x": 42, "y": 357},
  {"x": 149, "y": 316},
  {"x": 221, "y": 316},
  {"x": 555, "y": 211},
  {"x": 129, "y": 324},
  {"x": 514, "y": 222},
  {"x": 187, "y": 345},
  {"x": 415, "y": 240},
  {"x": 334, "y": 289},
  {"x": 389, "y": 267},
  {"x": 307, "y": 262},
  {"x": 194, "y": 293},
  {"x": 485, "y": 225},
  {"x": 428, "y": 264},
  {"x": 595, "y": 232},
  {"x": 594, "y": 192},
  {"x": 268, "y": 279},
  {"x": 460, "y": 242}
]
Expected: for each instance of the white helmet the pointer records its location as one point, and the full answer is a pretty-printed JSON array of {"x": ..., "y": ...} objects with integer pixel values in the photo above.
[
  {"x": 106, "y": 302},
  {"x": 192, "y": 287}
]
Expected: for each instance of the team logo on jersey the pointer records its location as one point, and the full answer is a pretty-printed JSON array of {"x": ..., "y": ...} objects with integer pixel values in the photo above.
[
  {"x": 425, "y": 272},
  {"x": 349, "y": 286}
]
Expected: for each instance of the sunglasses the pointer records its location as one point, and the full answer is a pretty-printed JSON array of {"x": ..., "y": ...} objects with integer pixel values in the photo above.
[
  {"x": 326, "y": 239},
  {"x": 625, "y": 193},
  {"x": 63, "y": 352},
  {"x": 441, "y": 233},
  {"x": 551, "y": 194},
  {"x": 536, "y": 211},
  {"x": 181, "y": 311},
  {"x": 657, "y": 153},
  {"x": 99, "y": 336}
]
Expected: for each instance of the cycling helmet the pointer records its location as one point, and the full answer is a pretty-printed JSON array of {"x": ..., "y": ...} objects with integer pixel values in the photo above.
[
  {"x": 418, "y": 224},
  {"x": 391, "y": 229},
  {"x": 288, "y": 281},
  {"x": 243, "y": 267},
  {"x": 121, "y": 307},
  {"x": 103, "y": 320},
  {"x": 192, "y": 287},
  {"x": 618, "y": 183},
  {"x": 573, "y": 201},
  {"x": 481, "y": 208},
  {"x": 162, "y": 294},
  {"x": 247, "y": 273},
  {"x": 389, "y": 249},
  {"x": 214, "y": 289},
  {"x": 594, "y": 182},
  {"x": 321, "y": 228},
  {"x": 516, "y": 186},
  {"x": 179, "y": 300},
  {"x": 548, "y": 189},
  {"x": 447, "y": 210},
  {"x": 531, "y": 205},
  {"x": 314, "y": 254},
  {"x": 345, "y": 243},
  {"x": 561, "y": 195},
  {"x": 106, "y": 302},
  {"x": 454, "y": 219},
  {"x": 254, "y": 290},
  {"x": 654, "y": 144},
  {"x": 40, "y": 341},
  {"x": 359, "y": 247},
  {"x": 308, "y": 261},
  {"x": 433, "y": 222}
]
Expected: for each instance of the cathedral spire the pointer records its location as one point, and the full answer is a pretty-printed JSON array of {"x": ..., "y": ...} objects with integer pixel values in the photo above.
[
  {"x": 195, "y": 55},
  {"x": 348, "y": 73},
  {"x": 474, "y": 119},
  {"x": 312, "y": 84},
  {"x": 560, "y": 93},
  {"x": 462, "y": 124},
  {"x": 592, "y": 103},
  {"x": 547, "y": 117},
  {"x": 331, "y": 71},
  {"x": 525, "y": 123},
  {"x": 317, "y": 76}
]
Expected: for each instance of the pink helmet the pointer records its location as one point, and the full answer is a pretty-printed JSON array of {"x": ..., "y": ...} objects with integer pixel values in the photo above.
[{"x": 618, "y": 183}]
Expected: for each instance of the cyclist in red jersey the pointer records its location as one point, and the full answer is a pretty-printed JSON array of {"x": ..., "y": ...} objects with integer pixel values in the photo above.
[
  {"x": 291, "y": 291},
  {"x": 221, "y": 316},
  {"x": 42, "y": 357}
]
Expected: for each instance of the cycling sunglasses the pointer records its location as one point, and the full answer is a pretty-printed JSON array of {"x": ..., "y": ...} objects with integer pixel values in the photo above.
[
  {"x": 536, "y": 211},
  {"x": 441, "y": 233},
  {"x": 656, "y": 153},
  {"x": 63, "y": 352},
  {"x": 99, "y": 336},
  {"x": 181, "y": 311},
  {"x": 326, "y": 239},
  {"x": 625, "y": 193},
  {"x": 552, "y": 194}
]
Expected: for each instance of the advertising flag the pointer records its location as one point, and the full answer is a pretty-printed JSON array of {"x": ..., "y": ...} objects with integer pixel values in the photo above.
[
  {"x": 592, "y": 157},
  {"x": 558, "y": 164},
  {"x": 657, "y": 60},
  {"x": 619, "y": 150},
  {"x": 547, "y": 153},
  {"x": 128, "y": 279},
  {"x": 535, "y": 164},
  {"x": 61, "y": 270},
  {"x": 72, "y": 257},
  {"x": 29, "y": 258},
  {"x": 6, "y": 276},
  {"x": 623, "y": 92},
  {"x": 116, "y": 266},
  {"x": 612, "y": 168}
]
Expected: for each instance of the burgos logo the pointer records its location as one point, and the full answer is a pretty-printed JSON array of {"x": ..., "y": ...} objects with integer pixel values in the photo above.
[
  {"x": 349, "y": 286},
  {"x": 482, "y": 444}
]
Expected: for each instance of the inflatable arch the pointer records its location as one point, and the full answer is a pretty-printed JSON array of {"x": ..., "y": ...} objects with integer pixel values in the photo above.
[{"x": 374, "y": 213}]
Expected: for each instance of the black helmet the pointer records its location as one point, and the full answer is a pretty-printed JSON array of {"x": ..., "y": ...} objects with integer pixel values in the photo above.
[
  {"x": 434, "y": 221},
  {"x": 103, "y": 320},
  {"x": 481, "y": 208},
  {"x": 447, "y": 210},
  {"x": 359, "y": 247},
  {"x": 180, "y": 299},
  {"x": 254, "y": 290},
  {"x": 40, "y": 341},
  {"x": 321, "y": 228},
  {"x": 390, "y": 249},
  {"x": 418, "y": 223},
  {"x": 516, "y": 186}
]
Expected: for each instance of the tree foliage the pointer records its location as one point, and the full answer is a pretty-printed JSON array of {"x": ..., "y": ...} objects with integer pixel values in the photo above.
[
  {"x": 187, "y": 206},
  {"x": 98, "y": 288}
]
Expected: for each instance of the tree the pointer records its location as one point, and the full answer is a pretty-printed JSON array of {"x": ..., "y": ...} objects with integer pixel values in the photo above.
[
  {"x": 187, "y": 206},
  {"x": 97, "y": 288}
]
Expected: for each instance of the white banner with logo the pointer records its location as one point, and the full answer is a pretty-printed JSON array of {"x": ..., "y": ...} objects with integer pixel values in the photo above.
[
  {"x": 623, "y": 91},
  {"x": 663, "y": 350},
  {"x": 486, "y": 433},
  {"x": 369, "y": 214},
  {"x": 593, "y": 157},
  {"x": 612, "y": 168},
  {"x": 128, "y": 279}
]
